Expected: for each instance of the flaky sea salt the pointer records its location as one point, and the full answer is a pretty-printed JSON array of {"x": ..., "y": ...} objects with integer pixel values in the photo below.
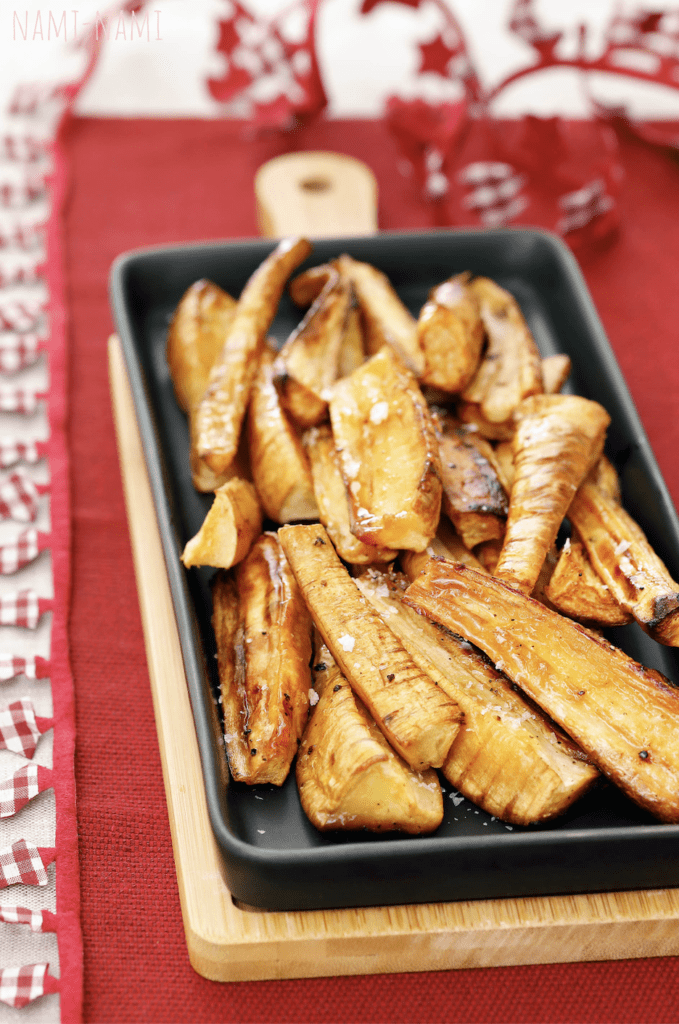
[
  {"x": 313, "y": 697},
  {"x": 379, "y": 412},
  {"x": 346, "y": 642}
]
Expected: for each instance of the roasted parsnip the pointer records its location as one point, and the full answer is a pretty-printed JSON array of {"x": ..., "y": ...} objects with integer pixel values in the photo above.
[
  {"x": 510, "y": 369},
  {"x": 232, "y": 525},
  {"x": 386, "y": 321},
  {"x": 507, "y": 757},
  {"x": 621, "y": 555},
  {"x": 555, "y": 372},
  {"x": 196, "y": 337},
  {"x": 473, "y": 497},
  {"x": 219, "y": 416},
  {"x": 280, "y": 468},
  {"x": 450, "y": 334},
  {"x": 348, "y": 775},
  {"x": 388, "y": 454},
  {"x": 263, "y": 633},
  {"x": 332, "y": 500},
  {"x": 558, "y": 439},
  {"x": 308, "y": 363},
  {"x": 416, "y": 717},
  {"x": 446, "y": 544},
  {"x": 576, "y": 590},
  {"x": 624, "y": 716}
]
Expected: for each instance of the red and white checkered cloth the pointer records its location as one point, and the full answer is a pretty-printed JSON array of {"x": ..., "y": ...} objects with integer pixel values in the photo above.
[
  {"x": 20, "y": 729},
  {"x": 23, "y": 608},
  {"x": 21, "y": 985},
  {"x": 26, "y": 546},
  {"x": 21, "y": 316},
  {"x": 13, "y": 450},
  {"x": 29, "y": 270},
  {"x": 22, "y": 400},
  {"x": 24, "y": 236},
  {"x": 23, "y": 786},
  {"x": 25, "y": 149},
  {"x": 38, "y": 920},
  {"x": 33, "y": 667},
  {"x": 17, "y": 351},
  {"x": 24, "y": 863},
  {"x": 19, "y": 496},
  {"x": 20, "y": 194}
]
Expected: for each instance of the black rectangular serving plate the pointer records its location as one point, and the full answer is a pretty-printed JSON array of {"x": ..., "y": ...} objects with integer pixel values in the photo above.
[{"x": 273, "y": 856}]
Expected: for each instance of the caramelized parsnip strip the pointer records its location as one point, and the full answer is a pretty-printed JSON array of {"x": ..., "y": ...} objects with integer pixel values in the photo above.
[
  {"x": 232, "y": 525},
  {"x": 386, "y": 321},
  {"x": 416, "y": 717},
  {"x": 280, "y": 468},
  {"x": 510, "y": 370},
  {"x": 219, "y": 416},
  {"x": 446, "y": 544},
  {"x": 352, "y": 353},
  {"x": 504, "y": 464},
  {"x": 308, "y": 363},
  {"x": 605, "y": 476},
  {"x": 555, "y": 372},
  {"x": 507, "y": 757},
  {"x": 558, "y": 439},
  {"x": 263, "y": 654},
  {"x": 576, "y": 590},
  {"x": 450, "y": 333},
  {"x": 473, "y": 497},
  {"x": 621, "y": 714},
  {"x": 196, "y": 337},
  {"x": 307, "y": 286},
  {"x": 332, "y": 501},
  {"x": 470, "y": 413},
  {"x": 388, "y": 454},
  {"x": 348, "y": 775},
  {"x": 621, "y": 555}
]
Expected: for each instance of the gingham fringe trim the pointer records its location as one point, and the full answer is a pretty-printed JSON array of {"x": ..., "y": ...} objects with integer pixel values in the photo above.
[
  {"x": 23, "y": 608},
  {"x": 32, "y": 667},
  {"x": 21, "y": 985},
  {"x": 37, "y": 920},
  {"x": 19, "y": 497},
  {"x": 13, "y": 450},
  {"x": 25, "y": 149},
  {"x": 22, "y": 550},
  {"x": 25, "y": 864},
  {"x": 21, "y": 315},
  {"x": 20, "y": 788},
  {"x": 21, "y": 729}
]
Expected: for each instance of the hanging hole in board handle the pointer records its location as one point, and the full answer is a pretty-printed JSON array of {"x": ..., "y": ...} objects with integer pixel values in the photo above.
[{"x": 318, "y": 195}]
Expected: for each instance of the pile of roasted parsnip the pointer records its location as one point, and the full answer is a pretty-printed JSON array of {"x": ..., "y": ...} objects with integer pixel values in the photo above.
[{"x": 381, "y": 640}]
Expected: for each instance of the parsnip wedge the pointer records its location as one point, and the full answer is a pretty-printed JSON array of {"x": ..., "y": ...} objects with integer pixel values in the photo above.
[
  {"x": 558, "y": 439},
  {"x": 196, "y": 337},
  {"x": 308, "y": 363},
  {"x": 386, "y": 321},
  {"x": 417, "y": 718},
  {"x": 263, "y": 633},
  {"x": 232, "y": 525},
  {"x": 280, "y": 468},
  {"x": 507, "y": 757},
  {"x": 348, "y": 775},
  {"x": 219, "y": 416},
  {"x": 555, "y": 372},
  {"x": 307, "y": 286},
  {"x": 388, "y": 454},
  {"x": 470, "y": 413},
  {"x": 576, "y": 590},
  {"x": 624, "y": 716},
  {"x": 473, "y": 497},
  {"x": 510, "y": 369},
  {"x": 446, "y": 544},
  {"x": 332, "y": 500},
  {"x": 621, "y": 555},
  {"x": 451, "y": 334}
]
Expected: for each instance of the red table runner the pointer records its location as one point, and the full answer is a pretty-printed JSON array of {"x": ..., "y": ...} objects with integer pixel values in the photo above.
[{"x": 139, "y": 183}]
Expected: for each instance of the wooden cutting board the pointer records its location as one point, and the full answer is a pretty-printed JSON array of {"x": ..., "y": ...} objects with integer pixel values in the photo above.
[{"x": 229, "y": 942}]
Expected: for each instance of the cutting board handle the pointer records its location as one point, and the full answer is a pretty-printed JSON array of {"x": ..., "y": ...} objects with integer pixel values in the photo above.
[{"x": 318, "y": 195}]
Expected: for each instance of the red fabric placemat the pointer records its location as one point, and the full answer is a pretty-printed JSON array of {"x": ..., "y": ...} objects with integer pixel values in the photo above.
[{"x": 140, "y": 183}]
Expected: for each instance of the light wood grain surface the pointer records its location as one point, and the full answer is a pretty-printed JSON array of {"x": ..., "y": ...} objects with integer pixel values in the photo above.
[{"x": 231, "y": 943}]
